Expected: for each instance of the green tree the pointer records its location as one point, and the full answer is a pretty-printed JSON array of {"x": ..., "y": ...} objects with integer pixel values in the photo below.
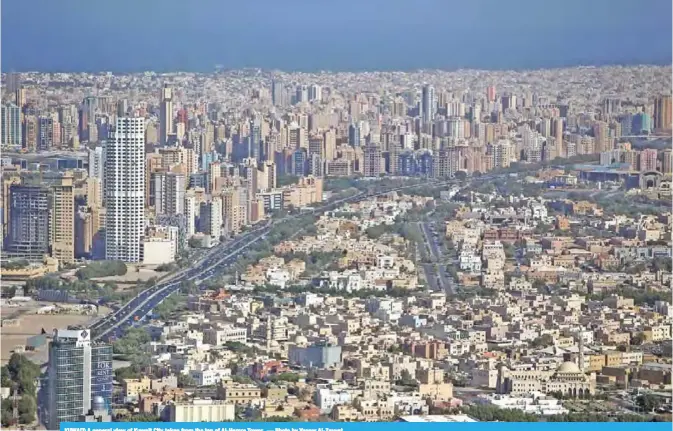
[
  {"x": 27, "y": 409},
  {"x": 5, "y": 380},
  {"x": 542, "y": 341},
  {"x": 130, "y": 372},
  {"x": 106, "y": 268},
  {"x": 139, "y": 417},
  {"x": 648, "y": 402},
  {"x": 186, "y": 381},
  {"x": 194, "y": 242}
]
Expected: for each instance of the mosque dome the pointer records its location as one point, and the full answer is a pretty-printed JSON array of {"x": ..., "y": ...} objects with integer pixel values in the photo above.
[{"x": 568, "y": 368}]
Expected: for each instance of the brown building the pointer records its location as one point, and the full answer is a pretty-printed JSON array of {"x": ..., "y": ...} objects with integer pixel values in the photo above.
[
  {"x": 62, "y": 220},
  {"x": 662, "y": 113}
]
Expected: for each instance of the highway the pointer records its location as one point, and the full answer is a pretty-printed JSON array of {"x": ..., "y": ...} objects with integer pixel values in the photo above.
[
  {"x": 442, "y": 279},
  {"x": 114, "y": 325}
]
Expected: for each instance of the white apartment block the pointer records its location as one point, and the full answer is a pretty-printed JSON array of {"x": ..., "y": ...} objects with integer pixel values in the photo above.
[{"x": 125, "y": 191}]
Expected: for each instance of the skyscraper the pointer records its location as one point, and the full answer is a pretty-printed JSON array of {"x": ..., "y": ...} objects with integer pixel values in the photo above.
[
  {"x": 28, "y": 235},
  {"x": 662, "y": 112},
  {"x": 302, "y": 94},
  {"x": 79, "y": 371},
  {"x": 255, "y": 139},
  {"x": 45, "y": 133},
  {"x": 190, "y": 212},
  {"x": 314, "y": 93},
  {"x": 428, "y": 104},
  {"x": 29, "y": 133},
  {"x": 125, "y": 191},
  {"x": 11, "y": 125},
  {"x": 648, "y": 160},
  {"x": 602, "y": 140},
  {"x": 62, "y": 219},
  {"x": 278, "y": 94},
  {"x": 166, "y": 114},
  {"x": 490, "y": 93},
  {"x": 354, "y": 135},
  {"x": 169, "y": 192},
  {"x": 372, "y": 161},
  {"x": 97, "y": 166}
]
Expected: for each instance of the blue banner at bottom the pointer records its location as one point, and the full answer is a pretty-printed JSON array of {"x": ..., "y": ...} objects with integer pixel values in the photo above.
[{"x": 429, "y": 423}]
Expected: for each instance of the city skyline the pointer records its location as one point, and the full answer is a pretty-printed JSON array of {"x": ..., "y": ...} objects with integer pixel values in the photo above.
[{"x": 309, "y": 37}]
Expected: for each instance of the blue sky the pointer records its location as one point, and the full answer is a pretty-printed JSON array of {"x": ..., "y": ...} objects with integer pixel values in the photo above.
[{"x": 165, "y": 35}]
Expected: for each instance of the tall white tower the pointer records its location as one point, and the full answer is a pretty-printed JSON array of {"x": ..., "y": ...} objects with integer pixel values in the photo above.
[
  {"x": 125, "y": 191},
  {"x": 428, "y": 104},
  {"x": 166, "y": 114}
]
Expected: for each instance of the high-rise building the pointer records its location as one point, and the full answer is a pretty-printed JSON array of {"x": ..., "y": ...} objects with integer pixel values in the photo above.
[
  {"x": 667, "y": 162},
  {"x": 354, "y": 135},
  {"x": 314, "y": 93},
  {"x": 299, "y": 162},
  {"x": 45, "y": 133},
  {"x": 97, "y": 166},
  {"x": 642, "y": 124},
  {"x": 278, "y": 94},
  {"x": 255, "y": 138},
  {"x": 90, "y": 233},
  {"x": 557, "y": 131},
  {"x": 329, "y": 139},
  {"x": 315, "y": 165},
  {"x": 428, "y": 104},
  {"x": 648, "y": 160},
  {"x": 29, "y": 133},
  {"x": 602, "y": 139},
  {"x": 302, "y": 94},
  {"x": 20, "y": 97},
  {"x": 28, "y": 235},
  {"x": 12, "y": 82},
  {"x": 62, "y": 219},
  {"x": 79, "y": 372},
  {"x": 165, "y": 114},
  {"x": 11, "y": 125},
  {"x": 125, "y": 191},
  {"x": 503, "y": 153},
  {"x": 267, "y": 176},
  {"x": 190, "y": 213},
  {"x": 169, "y": 189},
  {"x": 210, "y": 217},
  {"x": 122, "y": 107},
  {"x": 663, "y": 115},
  {"x": 372, "y": 161},
  {"x": 490, "y": 93}
]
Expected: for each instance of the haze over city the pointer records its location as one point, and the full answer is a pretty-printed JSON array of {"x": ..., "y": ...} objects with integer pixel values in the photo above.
[{"x": 348, "y": 35}]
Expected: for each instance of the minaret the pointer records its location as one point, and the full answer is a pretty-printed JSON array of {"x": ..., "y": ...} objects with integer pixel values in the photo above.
[{"x": 580, "y": 344}]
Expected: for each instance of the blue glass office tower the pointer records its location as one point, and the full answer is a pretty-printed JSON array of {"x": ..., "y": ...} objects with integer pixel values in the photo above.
[
  {"x": 79, "y": 370},
  {"x": 11, "y": 125}
]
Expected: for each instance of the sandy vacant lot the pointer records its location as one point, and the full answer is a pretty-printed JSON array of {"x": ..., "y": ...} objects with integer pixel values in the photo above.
[
  {"x": 31, "y": 324},
  {"x": 131, "y": 277}
]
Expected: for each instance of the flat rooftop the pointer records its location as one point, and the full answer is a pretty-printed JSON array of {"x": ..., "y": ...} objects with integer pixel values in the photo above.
[{"x": 437, "y": 418}]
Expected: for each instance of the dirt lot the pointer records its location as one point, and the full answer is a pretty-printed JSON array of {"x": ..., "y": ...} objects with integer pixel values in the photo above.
[
  {"x": 131, "y": 277},
  {"x": 31, "y": 324}
]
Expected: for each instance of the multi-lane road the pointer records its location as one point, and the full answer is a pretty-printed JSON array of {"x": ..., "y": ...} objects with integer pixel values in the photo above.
[
  {"x": 114, "y": 325},
  {"x": 436, "y": 274}
]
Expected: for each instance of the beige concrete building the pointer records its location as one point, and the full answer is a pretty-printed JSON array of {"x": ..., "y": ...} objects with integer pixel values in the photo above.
[
  {"x": 568, "y": 379},
  {"x": 62, "y": 220},
  {"x": 202, "y": 411}
]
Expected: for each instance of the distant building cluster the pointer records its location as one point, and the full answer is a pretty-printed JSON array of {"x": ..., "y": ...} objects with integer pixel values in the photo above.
[{"x": 113, "y": 173}]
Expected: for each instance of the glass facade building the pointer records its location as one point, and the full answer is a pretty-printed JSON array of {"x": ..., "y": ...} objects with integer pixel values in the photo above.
[{"x": 78, "y": 371}]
